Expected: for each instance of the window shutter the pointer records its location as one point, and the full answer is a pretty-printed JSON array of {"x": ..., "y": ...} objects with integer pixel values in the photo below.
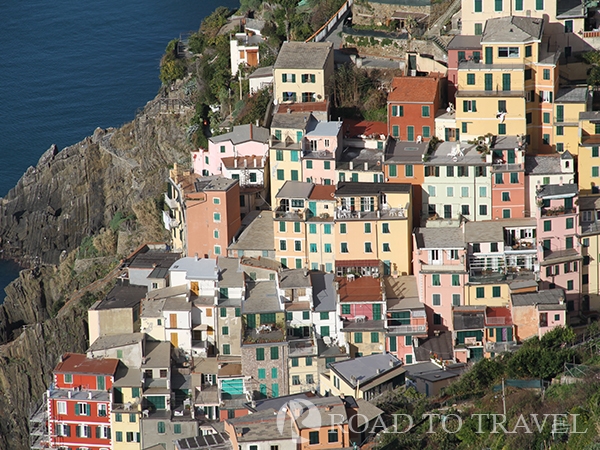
[
  {"x": 312, "y": 78},
  {"x": 284, "y": 77},
  {"x": 293, "y": 78},
  {"x": 67, "y": 430},
  {"x": 87, "y": 410},
  {"x": 98, "y": 432},
  {"x": 473, "y": 105}
]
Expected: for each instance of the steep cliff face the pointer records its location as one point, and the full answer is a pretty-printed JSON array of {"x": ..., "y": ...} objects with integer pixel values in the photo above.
[
  {"x": 73, "y": 193},
  {"x": 68, "y": 196}
]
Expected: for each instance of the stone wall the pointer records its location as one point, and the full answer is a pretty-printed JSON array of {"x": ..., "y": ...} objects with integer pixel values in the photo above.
[{"x": 373, "y": 13}]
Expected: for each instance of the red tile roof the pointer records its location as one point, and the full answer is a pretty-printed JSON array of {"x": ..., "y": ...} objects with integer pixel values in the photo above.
[
  {"x": 302, "y": 107},
  {"x": 497, "y": 316},
  {"x": 322, "y": 192},
  {"x": 78, "y": 363},
  {"x": 414, "y": 89},
  {"x": 364, "y": 127},
  {"x": 362, "y": 289}
]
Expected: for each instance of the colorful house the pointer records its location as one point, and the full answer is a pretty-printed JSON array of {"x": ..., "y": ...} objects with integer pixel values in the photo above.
[
  {"x": 508, "y": 178},
  {"x": 536, "y": 313},
  {"x": 79, "y": 402}
]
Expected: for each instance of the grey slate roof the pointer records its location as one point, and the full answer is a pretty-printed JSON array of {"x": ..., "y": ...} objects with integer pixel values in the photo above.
[
  {"x": 572, "y": 94},
  {"x": 213, "y": 183},
  {"x": 324, "y": 296},
  {"x": 243, "y": 133},
  {"x": 569, "y": 9},
  {"x": 405, "y": 151},
  {"x": 484, "y": 231},
  {"x": 261, "y": 297},
  {"x": 450, "y": 237},
  {"x": 552, "y": 190},
  {"x": 231, "y": 274},
  {"x": 262, "y": 72},
  {"x": 122, "y": 296},
  {"x": 465, "y": 42},
  {"x": 325, "y": 128},
  {"x": 512, "y": 29},
  {"x": 293, "y": 121},
  {"x": 153, "y": 258},
  {"x": 167, "y": 292},
  {"x": 197, "y": 269},
  {"x": 294, "y": 278},
  {"x": 117, "y": 340},
  {"x": 542, "y": 165},
  {"x": 258, "y": 235},
  {"x": 364, "y": 368},
  {"x": 468, "y": 319},
  {"x": 349, "y": 188},
  {"x": 442, "y": 155},
  {"x": 589, "y": 202},
  {"x": 440, "y": 345},
  {"x": 295, "y": 189},
  {"x": 547, "y": 297},
  {"x": 303, "y": 55}
]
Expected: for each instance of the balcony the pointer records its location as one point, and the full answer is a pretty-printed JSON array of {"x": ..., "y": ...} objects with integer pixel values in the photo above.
[
  {"x": 301, "y": 347},
  {"x": 566, "y": 121},
  {"x": 499, "y": 347},
  {"x": 591, "y": 34},
  {"x": 382, "y": 213},
  {"x": 501, "y": 166},
  {"x": 294, "y": 214},
  {"x": 126, "y": 407},
  {"x": 558, "y": 211},
  {"x": 171, "y": 203},
  {"x": 264, "y": 334},
  {"x": 521, "y": 246},
  {"x": 407, "y": 329},
  {"x": 169, "y": 222}
]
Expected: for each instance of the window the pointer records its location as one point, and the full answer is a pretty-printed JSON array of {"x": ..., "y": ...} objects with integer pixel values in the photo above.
[
  {"x": 455, "y": 299},
  {"x": 546, "y": 75},
  {"x": 469, "y": 106},
  {"x": 408, "y": 170},
  {"x": 288, "y": 77},
  {"x": 437, "y": 319},
  {"x": 324, "y": 331},
  {"x": 374, "y": 337},
  {"x": 410, "y": 133},
  {"x": 436, "y": 299},
  {"x": 343, "y": 247},
  {"x": 225, "y": 331},
  {"x": 119, "y": 436},
  {"x": 332, "y": 436},
  {"x": 595, "y": 171},
  {"x": 102, "y": 410},
  {"x": 274, "y": 373},
  {"x": 508, "y": 52},
  {"x": 497, "y": 5},
  {"x": 539, "y": 5},
  {"x": 289, "y": 96},
  {"x": 313, "y": 437},
  {"x": 506, "y": 196},
  {"x": 528, "y": 48},
  {"x": 425, "y": 111},
  {"x": 560, "y": 131},
  {"x": 280, "y": 174},
  {"x": 63, "y": 430},
  {"x": 506, "y": 82},
  {"x": 483, "y": 210},
  {"x": 569, "y": 285},
  {"x": 480, "y": 292},
  {"x": 449, "y": 191},
  {"x": 478, "y": 6},
  {"x": 160, "y": 427},
  {"x": 282, "y": 245},
  {"x": 470, "y": 79},
  {"x": 501, "y": 129},
  {"x": 260, "y": 354},
  {"x": 68, "y": 378},
  {"x": 395, "y": 131},
  {"x": 455, "y": 280},
  {"x": 82, "y": 409},
  {"x": 568, "y": 26},
  {"x": 177, "y": 428},
  {"x": 274, "y": 352},
  {"x": 367, "y": 227},
  {"x": 506, "y": 213},
  {"x": 463, "y": 127},
  {"x": 368, "y": 248},
  {"x": 216, "y": 217},
  {"x": 61, "y": 407},
  {"x": 358, "y": 338},
  {"x": 496, "y": 291},
  {"x": 528, "y": 74},
  {"x": 386, "y": 247},
  {"x": 478, "y": 29},
  {"x": 327, "y": 248},
  {"x": 307, "y": 78},
  {"x": 431, "y": 191},
  {"x": 546, "y": 117},
  {"x": 435, "y": 279},
  {"x": 298, "y": 246},
  {"x": 502, "y": 106}
]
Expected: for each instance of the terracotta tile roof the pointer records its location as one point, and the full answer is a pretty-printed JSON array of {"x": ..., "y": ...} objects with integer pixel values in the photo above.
[
  {"x": 362, "y": 289},
  {"x": 322, "y": 192},
  {"x": 364, "y": 127},
  {"x": 78, "y": 363},
  {"x": 414, "y": 89},
  {"x": 302, "y": 107}
]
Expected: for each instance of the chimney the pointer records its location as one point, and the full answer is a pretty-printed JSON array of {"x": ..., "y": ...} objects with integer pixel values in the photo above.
[
  {"x": 560, "y": 181},
  {"x": 366, "y": 166},
  {"x": 235, "y": 162},
  {"x": 68, "y": 394},
  {"x": 391, "y": 363},
  {"x": 255, "y": 161},
  {"x": 195, "y": 256},
  {"x": 89, "y": 395},
  {"x": 351, "y": 165},
  {"x": 250, "y": 131},
  {"x": 245, "y": 163}
]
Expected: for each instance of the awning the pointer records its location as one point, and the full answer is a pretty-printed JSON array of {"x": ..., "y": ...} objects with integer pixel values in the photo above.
[
  {"x": 201, "y": 327},
  {"x": 357, "y": 263}
]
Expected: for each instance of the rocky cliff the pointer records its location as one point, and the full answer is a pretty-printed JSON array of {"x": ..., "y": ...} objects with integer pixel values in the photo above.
[{"x": 70, "y": 195}]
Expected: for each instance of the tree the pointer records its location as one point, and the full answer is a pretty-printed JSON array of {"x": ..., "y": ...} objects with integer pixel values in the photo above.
[{"x": 593, "y": 58}]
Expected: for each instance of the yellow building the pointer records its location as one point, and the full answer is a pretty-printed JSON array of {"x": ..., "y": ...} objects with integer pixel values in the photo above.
[
  {"x": 589, "y": 159},
  {"x": 511, "y": 90},
  {"x": 373, "y": 222},
  {"x": 590, "y": 248},
  {"x": 303, "y": 372},
  {"x": 302, "y": 71},
  {"x": 570, "y": 101},
  {"x": 126, "y": 410},
  {"x": 489, "y": 294}
]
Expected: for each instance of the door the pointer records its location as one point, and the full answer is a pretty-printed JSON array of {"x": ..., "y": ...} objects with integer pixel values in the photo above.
[
  {"x": 251, "y": 321},
  {"x": 194, "y": 287},
  {"x": 376, "y": 311},
  {"x": 175, "y": 340},
  {"x": 447, "y": 211},
  {"x": 387, "y": 268},
  {"x": 510, "y": 157},
  {"x": 101, "y": 386},
  {"x": 312, "y": 206},
  {"x": 252, "y": 58},
  {"x": 506, "y": 81},
  {"x": 489, "y": 55},
  {"x": 488, "y": 81},
  {"x": 173, "y": 320},
  {"x": 410, "y": 133}
]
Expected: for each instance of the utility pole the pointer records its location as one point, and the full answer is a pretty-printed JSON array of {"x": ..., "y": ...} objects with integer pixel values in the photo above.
[{"x": 503, "y": 398}]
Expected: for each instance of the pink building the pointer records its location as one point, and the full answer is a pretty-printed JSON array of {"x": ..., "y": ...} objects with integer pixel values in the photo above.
[
  {"x": 508, "y": 178},
  {"x": 439, "y": 257},
  {"x": 536, "y": 313},
  {"x": 559, "y": 252},
  {"x": 320, "y": 148},
  {"x": 406, "y": 318},
  {"x": 460, "y": 48},
  {"x": 244, "y": 140}
]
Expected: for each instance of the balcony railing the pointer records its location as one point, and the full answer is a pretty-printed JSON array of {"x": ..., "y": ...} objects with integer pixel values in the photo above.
[
  {"x": 591, "y": 34},
  {"x": 344, "y": 214},
  {"x": 292, "y": 213},
  {"x": 559, "y": 211},
  {"x": 496, "y": 320},
  {"x": 171, "y": 203},
  {"x": 501, "y": 166},
  {"x": 407, "y": 329}
]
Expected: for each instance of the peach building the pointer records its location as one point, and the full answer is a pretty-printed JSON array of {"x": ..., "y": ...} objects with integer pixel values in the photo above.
[{"x": 534, "y": 314}]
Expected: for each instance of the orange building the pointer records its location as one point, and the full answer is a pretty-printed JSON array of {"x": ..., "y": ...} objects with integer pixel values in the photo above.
[
  {"x": 204, "y": 213},
  {"x": 411, "y": 107}
]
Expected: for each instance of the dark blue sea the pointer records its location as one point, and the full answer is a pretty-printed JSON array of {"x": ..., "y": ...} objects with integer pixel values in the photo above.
[{"x": 68, "y": 67}]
